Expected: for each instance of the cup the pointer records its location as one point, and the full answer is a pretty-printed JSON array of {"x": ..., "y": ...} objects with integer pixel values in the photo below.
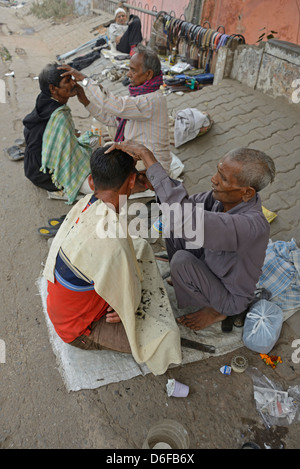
[{"x": 177, "y": 389}]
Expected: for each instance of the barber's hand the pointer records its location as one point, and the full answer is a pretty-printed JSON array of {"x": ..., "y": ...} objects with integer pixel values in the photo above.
[
  {"x": 81, "y": 95},
  {"x": 142, "y": 178},
  {"x": 71, "y": 71},
  {"x": 112, "y": 316},
  {"x": 136, "y": 150},
  {"x": 118, "y": 39}
]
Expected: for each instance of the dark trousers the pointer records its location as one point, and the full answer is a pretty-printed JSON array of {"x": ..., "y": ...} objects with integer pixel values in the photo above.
[
  {"x": 132, "y": 36},
  {"x": 195, "y": 284}
]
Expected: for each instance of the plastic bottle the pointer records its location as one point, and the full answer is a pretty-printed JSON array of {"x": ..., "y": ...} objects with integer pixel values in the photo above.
[
  {"x": 95, "y": 129},
  {"x": 172, "y": 58}
]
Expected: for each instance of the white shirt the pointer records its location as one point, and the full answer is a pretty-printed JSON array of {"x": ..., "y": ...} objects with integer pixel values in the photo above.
[
  {"x": 147, "y": 118},
  {"x": 115, "y": 30}
]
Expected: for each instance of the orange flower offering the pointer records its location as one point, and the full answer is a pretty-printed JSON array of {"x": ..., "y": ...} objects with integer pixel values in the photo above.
[{"x": 271, "y": 360}]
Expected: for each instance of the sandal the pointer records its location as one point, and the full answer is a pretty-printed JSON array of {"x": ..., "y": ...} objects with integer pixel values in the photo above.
[
  {"x": 47, "y": 232},
  {"x": 14, "y": 153},
  {"x": 227, "y": 324},
  {"x": 239, "y": 319},
  {"x": 56, "y": 222}
]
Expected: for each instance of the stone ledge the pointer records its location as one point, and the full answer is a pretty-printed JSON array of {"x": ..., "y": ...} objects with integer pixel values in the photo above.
[{"x": 283, "y": 50}]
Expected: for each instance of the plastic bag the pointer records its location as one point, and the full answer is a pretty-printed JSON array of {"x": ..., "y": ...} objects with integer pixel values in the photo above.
[
  {"x": 276, "y": 406},
  {"x": 262, "y": 326}
]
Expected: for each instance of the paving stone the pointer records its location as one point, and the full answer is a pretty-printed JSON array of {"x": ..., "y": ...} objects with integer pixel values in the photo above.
[{"x": 288, "y": 163}]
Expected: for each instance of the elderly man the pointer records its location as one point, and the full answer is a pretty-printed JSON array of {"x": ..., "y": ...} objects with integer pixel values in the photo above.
[
  {"x": 97, "y": 297},
  {"x": 219, "y": 276},
  {"x": 54, "y": 157},
  {"x": 125, "y": 36},
  {"x": 142, "y": 116}
]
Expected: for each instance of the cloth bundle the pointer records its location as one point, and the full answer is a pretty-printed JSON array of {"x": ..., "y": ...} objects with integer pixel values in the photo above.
[
  {"x": 189, "y": 124},
  {"x": 281, "y": 274}
]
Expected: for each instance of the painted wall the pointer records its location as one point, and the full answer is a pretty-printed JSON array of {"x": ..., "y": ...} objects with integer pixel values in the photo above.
[
  {"x": 248, "y": 17},
  {"x": 177, "y": 6}
]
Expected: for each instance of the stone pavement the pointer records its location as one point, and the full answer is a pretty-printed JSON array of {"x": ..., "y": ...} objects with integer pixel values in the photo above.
[{"x": 242, "y": 117}]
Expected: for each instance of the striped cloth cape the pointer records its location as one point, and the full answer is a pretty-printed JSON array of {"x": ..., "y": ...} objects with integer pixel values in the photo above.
[{"x": 66, "y": 156}]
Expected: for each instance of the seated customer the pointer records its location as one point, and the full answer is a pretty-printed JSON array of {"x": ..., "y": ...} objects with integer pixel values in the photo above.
[
  {"x": 125, "y": 36},
  {"x": 216, "y": 250},
  {"x": 95, "y": 283},
  {"x": 54, "y": 157}
]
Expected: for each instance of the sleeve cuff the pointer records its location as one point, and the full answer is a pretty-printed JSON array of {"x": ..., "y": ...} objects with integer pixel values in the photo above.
[
  {"x": 156, "y": 174},
  {"x": 92, "y": 108}
]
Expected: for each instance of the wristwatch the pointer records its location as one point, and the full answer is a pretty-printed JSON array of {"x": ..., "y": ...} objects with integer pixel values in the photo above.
[{"x": 85, "y": 81}]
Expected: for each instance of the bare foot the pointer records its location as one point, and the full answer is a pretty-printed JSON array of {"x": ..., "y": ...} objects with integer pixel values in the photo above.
[
  {"x": 169, "y": 281},
  {"x": 201, "y": 319}
]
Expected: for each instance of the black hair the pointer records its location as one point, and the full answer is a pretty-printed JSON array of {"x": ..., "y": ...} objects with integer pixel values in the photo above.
[
  {"x": 50, "y": 75},
  {"x": 109, "y": 171}
]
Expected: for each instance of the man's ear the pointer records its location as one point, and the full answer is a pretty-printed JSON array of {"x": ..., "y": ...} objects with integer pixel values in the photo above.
[
  {"x": 52, "y": 89},
  {"x": 249, "y": 192},
  {"x": 149, "y": 74},
  {"x": 91, "y": 182},
  {"x": 131, "y": 180}
]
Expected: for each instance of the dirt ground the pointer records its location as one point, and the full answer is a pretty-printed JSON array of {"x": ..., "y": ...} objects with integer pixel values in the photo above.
[{"x": 36, "y": 411}]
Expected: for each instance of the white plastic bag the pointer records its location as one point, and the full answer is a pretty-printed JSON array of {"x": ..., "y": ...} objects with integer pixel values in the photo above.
[
  {"x": 262, "y": 326},
  {"x": 276, "y": 406}
]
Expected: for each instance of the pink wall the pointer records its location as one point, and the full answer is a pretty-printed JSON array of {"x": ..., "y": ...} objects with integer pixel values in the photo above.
[
  {"x": 248, "y": 17},
  {"x": 166, "y": 5}
]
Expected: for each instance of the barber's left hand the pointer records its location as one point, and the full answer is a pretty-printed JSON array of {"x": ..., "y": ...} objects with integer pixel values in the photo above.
[
  {"x": 68, "y": 70},
  {"x": 136, "y": 150},
  {"x": 82, "y": 98}
]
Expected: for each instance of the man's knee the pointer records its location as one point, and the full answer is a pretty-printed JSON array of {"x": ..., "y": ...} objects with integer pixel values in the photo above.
[{"x": 180, "y": 259}]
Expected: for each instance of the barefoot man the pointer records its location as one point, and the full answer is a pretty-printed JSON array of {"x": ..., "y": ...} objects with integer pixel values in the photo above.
[{"x": 218, "y": 273}]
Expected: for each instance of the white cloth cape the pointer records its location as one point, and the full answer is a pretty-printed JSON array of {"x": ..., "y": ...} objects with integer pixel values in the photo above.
[{"x": 116, "y": 266}]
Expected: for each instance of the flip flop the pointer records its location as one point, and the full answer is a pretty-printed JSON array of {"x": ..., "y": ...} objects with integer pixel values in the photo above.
[
  {"x": 47, "y": 232},
  {"x": 56, "y": 222},
  {"x": 14, "y": 153},
  {"x": 20, "y": 142}
]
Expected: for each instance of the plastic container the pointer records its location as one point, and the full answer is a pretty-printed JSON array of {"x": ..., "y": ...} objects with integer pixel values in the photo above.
[
  {"x": 226, "y": 370},
  {"x": 167, "y": 432},
  {"x": 177, "y": 389},
  {"x": 239, "y": 364},
  {"x": 95, "y": 129}
]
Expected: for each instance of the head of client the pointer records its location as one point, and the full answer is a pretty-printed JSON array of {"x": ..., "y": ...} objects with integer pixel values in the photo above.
[{"x": 112, "y": 175}]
